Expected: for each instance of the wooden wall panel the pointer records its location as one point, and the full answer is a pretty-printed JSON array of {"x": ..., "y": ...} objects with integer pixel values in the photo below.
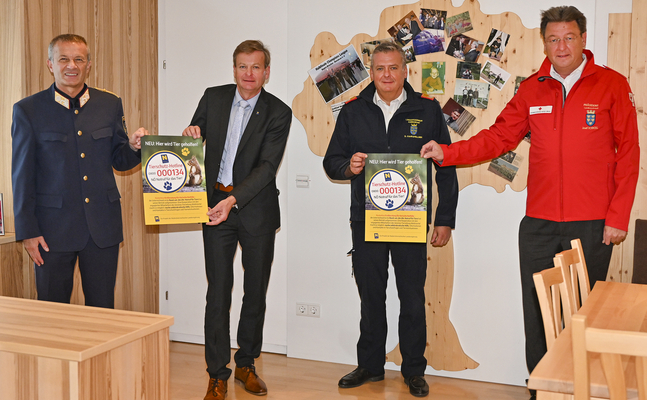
[
  {"x": 11, "y": 90},
  {"x": 627, "y": 54},
  {"x": 619, "y": 58},
  {"x": 122, "y": 37}
]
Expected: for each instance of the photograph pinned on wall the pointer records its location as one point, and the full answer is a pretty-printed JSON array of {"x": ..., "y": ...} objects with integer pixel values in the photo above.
[
  {"x": 464, "y": 48},
  {"x": 409, "y": 54},
  {"x": 406, "y": 29},
  {"x": 433, "y": 19},
  {"x": 457, "y": 117},
  {"x": 495, "y": 75},
  {"x": 433, "y": 78},
  {"x": 460, "y": 23},
  {"x": 468, "y": 70},
  {"x": 495, "y": 45},
  {"x": 517, "y": 82},
  {"x": 469, "y": 93},
  {"x": 506, "y": 166},
  {"x": 367, "y": 48},
  {"x": 338, "y": 74},
  {"x": 429, "y": 41}
]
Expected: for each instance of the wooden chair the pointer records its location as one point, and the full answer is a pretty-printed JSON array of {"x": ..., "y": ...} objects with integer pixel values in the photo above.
[
  {"x": 555, "y": 300},
  {"x": 574, "y": 263},
  {"x": 611, "y": 345}
]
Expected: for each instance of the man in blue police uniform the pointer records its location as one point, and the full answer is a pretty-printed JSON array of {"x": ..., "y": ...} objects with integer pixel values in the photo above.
[
  {"x": 390, "y": 102},
  {"x": 66, "y": 141}
]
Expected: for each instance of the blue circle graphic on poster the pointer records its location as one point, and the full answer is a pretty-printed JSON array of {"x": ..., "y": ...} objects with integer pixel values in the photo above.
[
  {"x": 165, "y": 172},
  {"x": 388, "y": 190}
]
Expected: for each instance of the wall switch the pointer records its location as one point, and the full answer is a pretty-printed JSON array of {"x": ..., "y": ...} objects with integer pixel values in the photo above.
[{"x": 303, "y": 181}]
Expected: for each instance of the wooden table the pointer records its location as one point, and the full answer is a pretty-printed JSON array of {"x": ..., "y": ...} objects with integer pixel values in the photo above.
[
  {"x": 52, "y": 351},
  {"x": 611, "y": 305}
]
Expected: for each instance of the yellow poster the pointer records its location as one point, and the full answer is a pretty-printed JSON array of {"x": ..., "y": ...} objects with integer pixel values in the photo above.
[
  {"x": 173, "y": 180},
  {"x": 396, "y": 198}
]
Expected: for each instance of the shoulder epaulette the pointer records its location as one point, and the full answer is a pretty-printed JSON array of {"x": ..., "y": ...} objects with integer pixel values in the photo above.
[
  {"x": 424, "y": 96},
  {"x": 107, "y": 91},
  {"x": 351, "y": 99}
]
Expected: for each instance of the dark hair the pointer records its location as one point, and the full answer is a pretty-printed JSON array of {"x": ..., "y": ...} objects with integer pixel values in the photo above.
[
  {"x": 562, "y": 14},
  {"x": 66, "y": 37},
  {"x": 387, "y": 47},
  {"x": 250, "y": 46}
]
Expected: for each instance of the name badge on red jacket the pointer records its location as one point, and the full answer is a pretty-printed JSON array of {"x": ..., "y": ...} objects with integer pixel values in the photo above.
[{"x": 541, "y": 110}]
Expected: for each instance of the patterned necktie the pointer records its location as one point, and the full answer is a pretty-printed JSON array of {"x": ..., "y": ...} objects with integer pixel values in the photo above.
[{"x": 232, "y": 143}]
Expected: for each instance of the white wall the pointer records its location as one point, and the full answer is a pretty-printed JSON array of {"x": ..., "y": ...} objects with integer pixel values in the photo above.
[{"x": 197, "y": 39}]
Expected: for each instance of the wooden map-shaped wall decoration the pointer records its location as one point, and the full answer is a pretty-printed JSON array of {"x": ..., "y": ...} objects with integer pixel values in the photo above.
[{"x": 522, "y": 56}]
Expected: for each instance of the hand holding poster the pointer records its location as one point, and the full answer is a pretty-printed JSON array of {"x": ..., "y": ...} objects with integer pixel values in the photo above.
[
  {"x": 173, "y": 180},
  {"x": 396, "y": 198}
]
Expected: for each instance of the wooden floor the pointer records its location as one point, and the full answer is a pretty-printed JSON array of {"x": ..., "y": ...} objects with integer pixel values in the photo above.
[{"x": 296, "y": 379}]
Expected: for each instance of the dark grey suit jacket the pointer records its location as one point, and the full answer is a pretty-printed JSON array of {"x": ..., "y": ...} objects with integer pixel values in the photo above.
[{"x": 258, "y": 156}]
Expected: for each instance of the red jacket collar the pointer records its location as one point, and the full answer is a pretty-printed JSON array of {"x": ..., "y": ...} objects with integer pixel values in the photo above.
[{"x": 544, "y": 70}]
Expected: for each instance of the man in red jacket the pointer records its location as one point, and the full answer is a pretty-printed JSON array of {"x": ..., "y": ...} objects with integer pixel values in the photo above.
[{"x": 584, "y": 158}]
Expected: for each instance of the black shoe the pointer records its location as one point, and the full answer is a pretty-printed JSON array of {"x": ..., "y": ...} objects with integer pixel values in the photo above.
[
  {"x": 359, "y": 377},
  {"x": 417, "y": 386}
]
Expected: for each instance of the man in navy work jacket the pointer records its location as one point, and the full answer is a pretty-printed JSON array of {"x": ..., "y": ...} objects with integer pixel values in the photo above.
[
  {"x": 66, "y": 141},
  {"x": 362, "y": 128}
]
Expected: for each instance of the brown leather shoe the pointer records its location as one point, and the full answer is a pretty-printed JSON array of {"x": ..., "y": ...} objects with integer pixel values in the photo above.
[
  {"x": 217, "y": 389},
  {"x": 252, "y": 382}
]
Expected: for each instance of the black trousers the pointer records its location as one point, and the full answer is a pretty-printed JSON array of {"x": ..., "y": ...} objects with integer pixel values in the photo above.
[
  {"x": 370, "y": 266},
  {"x": 220, "y": 243},
  {"x": 539, "y": 241},
  {"x": 98, "y": 267}
]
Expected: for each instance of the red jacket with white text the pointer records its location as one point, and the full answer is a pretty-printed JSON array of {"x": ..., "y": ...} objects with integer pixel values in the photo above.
[{"x": 584, "y": 154}]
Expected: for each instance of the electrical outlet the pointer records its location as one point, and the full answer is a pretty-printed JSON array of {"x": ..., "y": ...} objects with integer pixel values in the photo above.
[
  {"x": 314, "y": 310},
  {"x": 308, "y": 310}
]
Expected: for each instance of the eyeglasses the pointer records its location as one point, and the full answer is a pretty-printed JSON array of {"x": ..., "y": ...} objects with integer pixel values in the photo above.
[{"x": 568, "y": 40}]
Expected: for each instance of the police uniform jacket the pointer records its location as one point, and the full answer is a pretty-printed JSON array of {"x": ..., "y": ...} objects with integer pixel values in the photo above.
[
  {"x": 360, "y": 128},
  {"x": 64, "y": 152}
]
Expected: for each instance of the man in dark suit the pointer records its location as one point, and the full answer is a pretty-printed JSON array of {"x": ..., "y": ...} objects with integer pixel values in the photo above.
[
  {"x": 245, "y": 130},
  {"x": 66, "y": 141},
  {"x": 473, "y": 54}
]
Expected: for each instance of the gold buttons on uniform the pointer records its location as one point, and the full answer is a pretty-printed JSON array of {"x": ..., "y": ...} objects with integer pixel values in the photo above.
[
  {"x": 76, "y": 111},
  {"x": 87, "y": 200},
  {"x": 82, "y": 155},
  {"x": 79, "y": 133},
  {"x": 85, "y": 178}
]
